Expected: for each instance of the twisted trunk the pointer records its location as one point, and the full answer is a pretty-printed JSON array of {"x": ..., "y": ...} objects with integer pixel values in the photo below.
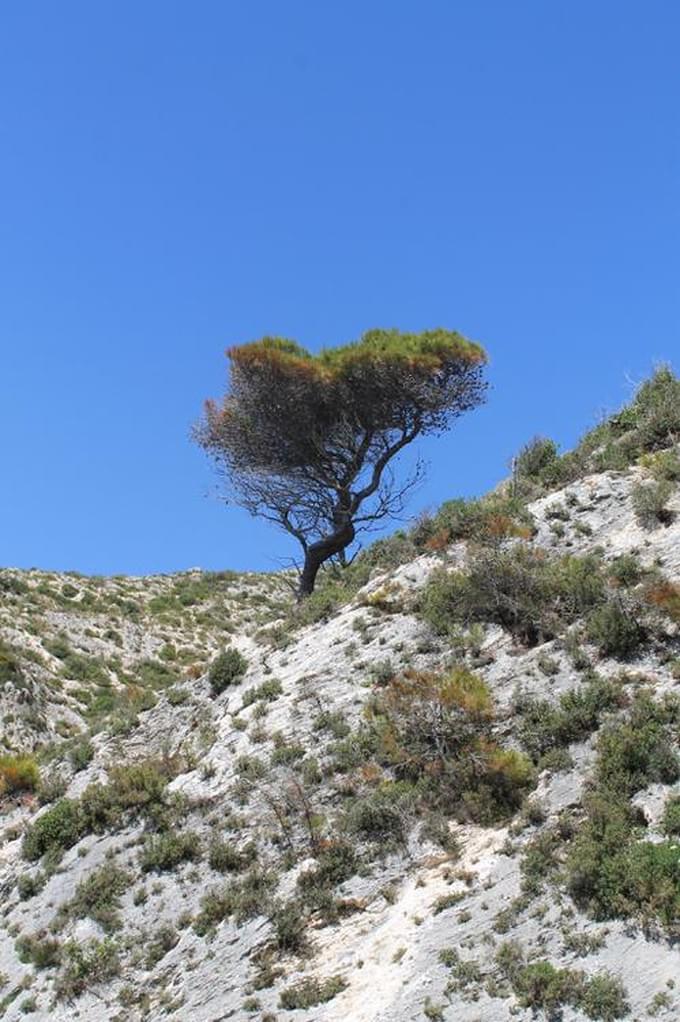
[{"x": 318, "y": 553}]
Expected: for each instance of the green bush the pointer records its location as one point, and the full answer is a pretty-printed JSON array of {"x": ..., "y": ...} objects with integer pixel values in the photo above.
[
  {"x": 224, "y": 857},
  {"x": 545, "y": 725},
  {"x": 671, "y": 816},
  {"x": 540, "y": 985},
  {"x": 242, "y": 899},
  {"x": 307, "y": 993},
  {"x": 615, "y": 630},
  {"x": 40, "y": 950},
  {"x": 98, "y": 896},
  {"x": 649, "y": 503},
  {"x": 10, "y": 667},
  {"x": 81, "y": 754},
  {"x": 85, "y": 965},
  {"x": 167, "y": 851},
  {"x": 226, "y": 669},
  {"x": 528, "y": 593},
  {"x": 17, "y": 774},
  {"x": 267, "y": 692},
  {"x": 58, "y": 828}
]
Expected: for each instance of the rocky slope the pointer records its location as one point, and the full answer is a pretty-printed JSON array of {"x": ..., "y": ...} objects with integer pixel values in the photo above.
[{"x": 244, "y": 840}]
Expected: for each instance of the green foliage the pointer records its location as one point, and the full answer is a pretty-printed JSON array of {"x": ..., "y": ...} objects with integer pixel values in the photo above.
[
  {"x": 18, "y": 774},
  {"x": 98, "y": 896},
  {"x": 85, "y": 965},
  {"x": 167, "y": 851},
  {"x": 266, "y": 692},
  {"x": 609, "y": 870},
  {"x": 226, "y": 669},
  {"x": 307, "y": 993},
  {"x": 224, "y": 857},
  {"x": 671, "y": 817},
  {"x": 545, "y": 725},
  {"x": 40, "y": 950},
  {"x": 30, "y": 884},
  {"x": 541, "y": 986},
  {"x": 649, "y": 423},
  {"x": 485, "y": 520},
  {"x": 163, "y": 940},
  {"x": 528, "y": 593},
  {"x": 80, "y": 754},
  {"x": 649, "y": 503},
  {"x": 132, "y": 790},
  {"x": 615, "y": 630},
  {"x": 59, "y": 827},
  {"x": 10, "y": 667},
  {"x": 241, "y": 899}
]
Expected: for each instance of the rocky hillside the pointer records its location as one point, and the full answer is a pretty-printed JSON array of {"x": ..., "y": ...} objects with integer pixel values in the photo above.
[{"x": 446, "y": 788}]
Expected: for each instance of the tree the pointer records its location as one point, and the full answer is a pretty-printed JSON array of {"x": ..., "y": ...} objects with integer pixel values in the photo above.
[{"x": 306, "y": 441}]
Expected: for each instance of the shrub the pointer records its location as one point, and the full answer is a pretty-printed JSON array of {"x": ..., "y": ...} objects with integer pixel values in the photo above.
[
  {"x": 10, "y": 668},
  {"x": 38, "y": 949},
  {"x": 166, "y": 851},
  {"x": 17, "y": 774},
  {"x": 540, "y": 985},
  {"x": 649, "y": 503},
  {"x": 671, "y": 816},
  {"x": 288, "y": 922},
  {"x": 226, "y": 858},
  {"x": 267, "y": 692},
  {"x": 381, "y": 815},
  {"x": 163, "y": 940},
  {"x": 604, "y": 998},
  {"x": 663, "y": 465},
  {"x": 310, "y": 991},
  {"x": 545, "y": 725},
  {"x": 435, "y": 733},
  {"x": 84, "y": 965},
  {"x": 526, "y": 592},
  {"x": 98, "y": 896},
  {"x": 226, "y": 669},
  {"x": 30, "y": 884},
  {"x": 485, "y": 520},
  {"x": 615, "y": 630},
  {"x": 80, "y": 754},
  {"x": 626, "y": 570},
  {"x": 58, "y": 828},
  {"x": 536, "y": 461},
  {"x": 243, "y": 899}
]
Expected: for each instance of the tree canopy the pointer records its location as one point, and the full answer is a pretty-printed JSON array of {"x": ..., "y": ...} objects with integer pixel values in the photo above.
[{"x": 306, "y": 440}]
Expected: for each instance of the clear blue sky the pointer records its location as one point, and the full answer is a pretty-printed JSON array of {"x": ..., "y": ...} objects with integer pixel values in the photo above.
[{"x": 178, "y": 177}]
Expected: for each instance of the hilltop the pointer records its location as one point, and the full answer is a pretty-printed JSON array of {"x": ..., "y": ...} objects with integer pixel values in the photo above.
[{"x": 445, "y": 787}]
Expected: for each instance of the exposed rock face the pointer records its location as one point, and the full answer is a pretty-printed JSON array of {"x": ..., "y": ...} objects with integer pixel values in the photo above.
[{"x": 95, "y": 654}]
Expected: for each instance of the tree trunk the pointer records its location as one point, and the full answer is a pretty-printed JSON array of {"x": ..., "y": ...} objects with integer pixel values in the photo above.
[{"x": 318, "y": 553}]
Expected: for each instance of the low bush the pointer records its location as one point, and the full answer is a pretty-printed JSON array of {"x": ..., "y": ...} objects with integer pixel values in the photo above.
[
  {"x": 545, "y": 725},
  {"x": 98, "y": 896},
  {"x": 18, "y": 774},
  {"x": 10, "y": 667},
  {"x": 649, "y": 503},
  {"x": 436, "y": 734},
  {"x": 163, "y": 852},
  {"x": 40, "y": 950},
  {"x": 224, "y": 857},
  {"x": 242, "y": 899},
  {"x": 59, "y": 827},
  {"x": 309, "y": 992},
  {"x": 226, "y": 669},
  {"x": 85, "y": 965},
  {"x": 530, "y": 594},
  {"x": 540, "y": 985},
  {"x": 671, "y": 817},
  {"x": 615, "y": 630}
]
